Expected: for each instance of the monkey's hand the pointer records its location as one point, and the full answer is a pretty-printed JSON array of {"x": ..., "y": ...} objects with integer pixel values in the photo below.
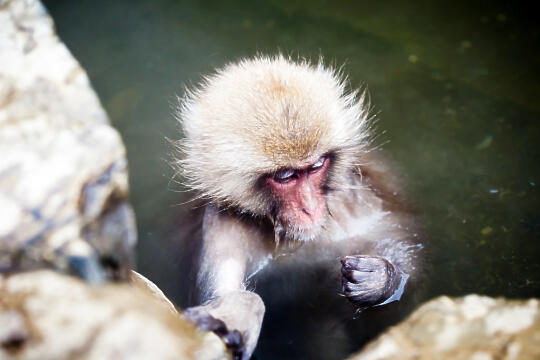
[
  {"x": 231, "y": 338},
  {"x": 240, "y": 310},
  {"x": 368, "y": 280}
]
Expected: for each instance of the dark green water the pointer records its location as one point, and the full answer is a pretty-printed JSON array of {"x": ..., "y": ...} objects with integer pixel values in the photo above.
[{"x": 457, "y": 90}]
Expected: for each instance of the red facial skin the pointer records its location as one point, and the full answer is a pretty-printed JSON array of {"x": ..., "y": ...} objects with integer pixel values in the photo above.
[{"x": 302, "y": 206}]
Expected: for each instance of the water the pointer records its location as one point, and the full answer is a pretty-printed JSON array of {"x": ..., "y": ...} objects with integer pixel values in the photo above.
[{"x": 456, "y": 87}]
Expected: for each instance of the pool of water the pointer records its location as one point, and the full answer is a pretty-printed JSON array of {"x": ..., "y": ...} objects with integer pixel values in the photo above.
[{"x": 456, "y": 87}]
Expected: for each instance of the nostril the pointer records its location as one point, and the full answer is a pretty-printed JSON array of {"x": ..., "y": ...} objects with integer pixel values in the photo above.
[{"x": 305, "y": 211}]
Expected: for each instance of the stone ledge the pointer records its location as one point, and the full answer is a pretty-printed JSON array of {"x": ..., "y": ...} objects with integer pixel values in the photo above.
[{"x": 472, "y": 327}]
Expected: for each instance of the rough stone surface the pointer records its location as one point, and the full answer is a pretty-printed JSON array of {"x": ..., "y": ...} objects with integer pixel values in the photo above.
[
  {"x": 473, "y": 327},
  {"x": 142, "y": 283},
  {"x": 63, "y": 172},
  {"x": 63, "y": 205},
  {"x": 47, "y": 315}
]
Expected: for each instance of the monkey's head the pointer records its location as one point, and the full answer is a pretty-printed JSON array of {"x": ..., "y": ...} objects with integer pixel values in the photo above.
[{"x": 271, "y": 137}]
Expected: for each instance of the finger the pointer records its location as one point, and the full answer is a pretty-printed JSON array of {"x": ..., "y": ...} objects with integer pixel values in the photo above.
[
  {"x": 362, "y": 263},
  {"x": 355, "y": 276}
]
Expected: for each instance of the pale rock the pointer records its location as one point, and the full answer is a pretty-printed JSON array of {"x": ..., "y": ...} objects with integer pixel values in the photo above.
[
  {"x": 46, "y": 315},
  {"x": 63, "y": 170},
  {"x": 473, "y": 327},
  {"x": 63, "y": 206}
]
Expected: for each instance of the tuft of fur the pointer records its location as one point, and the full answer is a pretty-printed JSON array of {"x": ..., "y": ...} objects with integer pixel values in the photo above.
[{"x": 264, "y": 114}]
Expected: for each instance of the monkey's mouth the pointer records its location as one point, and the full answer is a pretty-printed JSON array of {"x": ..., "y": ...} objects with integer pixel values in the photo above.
[
  {"x": 304, "y": 233},
  {"x": 292, "y": 230}
]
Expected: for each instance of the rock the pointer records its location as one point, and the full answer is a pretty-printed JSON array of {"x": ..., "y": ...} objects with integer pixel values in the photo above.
[
  {"x": 47, "y": 315},
  {"x": 63, "y": 206},
  {"x": 473, "y": 327},
  {"x": 63, "y": 171},
  {"x": 142, "y": 283}
]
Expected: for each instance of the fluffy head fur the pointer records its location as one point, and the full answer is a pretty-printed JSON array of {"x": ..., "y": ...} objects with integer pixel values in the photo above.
[{"x": 261, "y": 115}]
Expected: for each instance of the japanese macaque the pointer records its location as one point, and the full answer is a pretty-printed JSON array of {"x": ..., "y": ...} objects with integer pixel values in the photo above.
[{"x": 282, "y": 154}]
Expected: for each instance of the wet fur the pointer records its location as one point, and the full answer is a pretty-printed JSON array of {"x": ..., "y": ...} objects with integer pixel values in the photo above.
[{"x": 262, "y": 115}]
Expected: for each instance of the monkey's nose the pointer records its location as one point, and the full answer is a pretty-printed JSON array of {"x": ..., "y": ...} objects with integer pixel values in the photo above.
[{"x": 308, "y": 200}]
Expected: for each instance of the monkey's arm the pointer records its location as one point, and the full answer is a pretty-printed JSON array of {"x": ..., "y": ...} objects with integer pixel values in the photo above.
[
  {"x": 229, "y": 248},
  {"x": 382, "y": 251}
]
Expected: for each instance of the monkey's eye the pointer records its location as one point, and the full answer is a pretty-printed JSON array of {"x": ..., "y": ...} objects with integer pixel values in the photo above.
[
  {"x": 284, "y": 176},
  {"x": 317, "y": 165}
]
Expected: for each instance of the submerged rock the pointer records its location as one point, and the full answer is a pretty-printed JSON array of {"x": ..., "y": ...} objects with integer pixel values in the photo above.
[
  {"x": 63, "y": 171},
  {"x": 473, "y": 327},
  {"x": 47, "y": 315}
]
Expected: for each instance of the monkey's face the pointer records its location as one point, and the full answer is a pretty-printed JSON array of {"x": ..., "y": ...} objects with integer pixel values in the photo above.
[{"x": 301, "y": 204}]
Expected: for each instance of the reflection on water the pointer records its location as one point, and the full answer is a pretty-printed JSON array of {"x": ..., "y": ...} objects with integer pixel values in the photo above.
[{"x": 456, "y": 89}]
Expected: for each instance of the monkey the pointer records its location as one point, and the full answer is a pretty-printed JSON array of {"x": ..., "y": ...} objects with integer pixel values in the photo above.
[{"x": 281, "y": 152}]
